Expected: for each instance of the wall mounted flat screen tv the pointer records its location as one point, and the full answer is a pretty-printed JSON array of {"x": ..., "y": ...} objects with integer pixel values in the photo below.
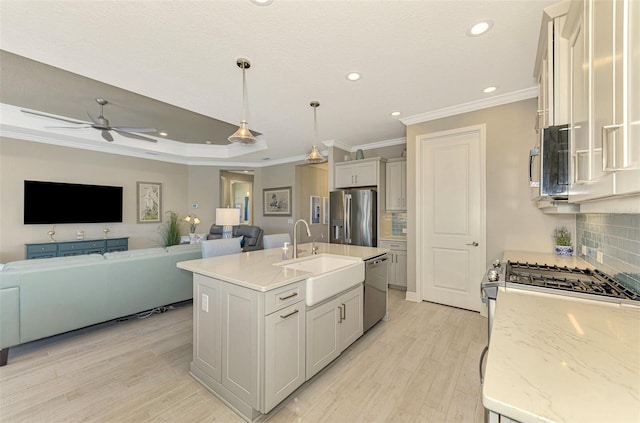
[{"x": 57, "y": 202}]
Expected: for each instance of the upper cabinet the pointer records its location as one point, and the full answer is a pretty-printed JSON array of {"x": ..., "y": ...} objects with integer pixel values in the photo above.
[
  {"x": 604, "y": 45},
  {"x": 358, "y": 173},
  {"x": 396, "y": 185},
  {"x": 552, "y": 69}
]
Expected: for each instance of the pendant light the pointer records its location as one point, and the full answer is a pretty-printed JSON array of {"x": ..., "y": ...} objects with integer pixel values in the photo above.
[
  {"x": 315, "y": 156},
  {"x": 243, "y": 135}
]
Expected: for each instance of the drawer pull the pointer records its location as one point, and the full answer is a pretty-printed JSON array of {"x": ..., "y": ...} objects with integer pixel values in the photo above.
[
  {"x": 288, "y": 296},
  {"x": 295, "y": 311}
]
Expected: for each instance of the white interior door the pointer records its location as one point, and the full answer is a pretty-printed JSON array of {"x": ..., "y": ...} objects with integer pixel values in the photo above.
[{"x": 450, "y": 183}]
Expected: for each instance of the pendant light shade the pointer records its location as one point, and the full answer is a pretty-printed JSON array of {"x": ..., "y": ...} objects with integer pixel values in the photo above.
[
  {"x": 315, "y": 156},
  {"x": 243, "y": 135}
]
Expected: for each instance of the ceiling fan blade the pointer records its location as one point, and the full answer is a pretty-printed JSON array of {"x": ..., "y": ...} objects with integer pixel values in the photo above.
[
  {"x": 127, "y": 129},
  {"x": 107, "y": 136},
  {"x": 52, "y": 117},
  {"x": 136, "y": 136}
]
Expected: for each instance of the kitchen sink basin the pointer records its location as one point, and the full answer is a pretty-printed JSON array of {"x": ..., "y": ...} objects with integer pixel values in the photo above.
[{"x": 330, "y": 274}]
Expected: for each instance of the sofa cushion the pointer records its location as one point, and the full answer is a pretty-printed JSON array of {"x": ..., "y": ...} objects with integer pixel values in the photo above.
[
  {"x": 183, "y": 248},
  {"x": 116, "y": 255},
  {"x": 53, "y": 262}
]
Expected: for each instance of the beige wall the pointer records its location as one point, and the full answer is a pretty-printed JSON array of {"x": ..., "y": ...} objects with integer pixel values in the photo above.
[
  {"x": 20, "y": 160},
  {"x": 283, "y": 175},
  {"x": 513, "y": 221},
  {"x": 311, "y": 180}
]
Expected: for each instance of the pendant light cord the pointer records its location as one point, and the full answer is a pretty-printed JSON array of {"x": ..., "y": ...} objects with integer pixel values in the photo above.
[{"x": 244, "y": 93}]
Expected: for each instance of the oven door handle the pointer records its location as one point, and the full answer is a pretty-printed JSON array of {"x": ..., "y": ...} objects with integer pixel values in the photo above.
[{"x": 484, "y": 352}]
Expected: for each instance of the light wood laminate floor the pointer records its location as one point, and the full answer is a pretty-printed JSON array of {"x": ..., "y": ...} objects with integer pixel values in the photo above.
[{"x": 420, "y": 366}]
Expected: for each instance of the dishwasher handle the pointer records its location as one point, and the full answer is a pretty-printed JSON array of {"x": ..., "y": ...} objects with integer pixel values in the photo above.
[{"x": 375, "y": 261}]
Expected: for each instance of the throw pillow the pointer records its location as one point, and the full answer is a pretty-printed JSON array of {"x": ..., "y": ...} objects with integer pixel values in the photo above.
[{"x": 197, "y": 238}]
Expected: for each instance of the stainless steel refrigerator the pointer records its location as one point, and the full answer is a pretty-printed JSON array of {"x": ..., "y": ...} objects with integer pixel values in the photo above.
[{"x": 353, "y": 217}]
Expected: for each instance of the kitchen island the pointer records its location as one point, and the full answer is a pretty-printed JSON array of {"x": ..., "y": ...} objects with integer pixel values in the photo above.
[
  {"x": 562, "y": 359},
  {"x": 255, "y": 339}
]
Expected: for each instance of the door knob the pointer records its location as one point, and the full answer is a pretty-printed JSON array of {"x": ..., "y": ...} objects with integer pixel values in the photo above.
[{"x": 475, "y": 244}]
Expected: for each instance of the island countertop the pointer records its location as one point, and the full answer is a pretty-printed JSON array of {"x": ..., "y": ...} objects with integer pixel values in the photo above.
[
  {"x": 257, "y": 270},
  {"x": 561, "y": 359}
]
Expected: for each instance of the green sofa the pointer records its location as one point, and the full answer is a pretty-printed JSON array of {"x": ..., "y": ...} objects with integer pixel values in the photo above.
[{"x": 45, "y": 297}]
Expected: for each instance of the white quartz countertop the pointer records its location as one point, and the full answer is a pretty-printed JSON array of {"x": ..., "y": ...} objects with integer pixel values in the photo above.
[
  {"x": 257, "y": 270},
  {"x": 546, "y": 258},
  {"x": 560, "y": 359}
]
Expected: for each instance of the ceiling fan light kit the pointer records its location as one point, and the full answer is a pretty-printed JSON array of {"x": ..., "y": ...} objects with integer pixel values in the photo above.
[
  {"x": 315, "y": 156},
  {"x": 100, "y": 123},
  {"x": 243, "y": 135}
]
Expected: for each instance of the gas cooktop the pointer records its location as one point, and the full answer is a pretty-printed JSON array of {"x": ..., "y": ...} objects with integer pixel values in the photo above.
[{"x": 574, "y": 280}]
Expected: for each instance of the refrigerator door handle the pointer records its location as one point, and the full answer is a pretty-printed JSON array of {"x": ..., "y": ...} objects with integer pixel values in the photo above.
[{"x": 347, "y": 219}]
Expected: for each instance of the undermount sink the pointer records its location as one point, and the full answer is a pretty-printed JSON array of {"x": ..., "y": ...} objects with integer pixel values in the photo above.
[{"x": 331, "y": 274}]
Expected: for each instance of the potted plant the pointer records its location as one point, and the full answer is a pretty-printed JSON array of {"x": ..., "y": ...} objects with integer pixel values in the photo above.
[
  {"x": 562, "y": 237},
  {"x": 171, "y": 229}
]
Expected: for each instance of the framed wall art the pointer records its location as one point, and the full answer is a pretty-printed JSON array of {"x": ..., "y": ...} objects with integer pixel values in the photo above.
[
  {"x": 277, "y": 201},
  {"x": 149, "y": 201},
  {"x": 314, "y": 210}
]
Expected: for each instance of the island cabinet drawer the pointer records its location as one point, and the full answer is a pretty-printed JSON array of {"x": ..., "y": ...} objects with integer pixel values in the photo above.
[
  {"x": 282, "y": 297},
  {"x": 393, "y": 245}
]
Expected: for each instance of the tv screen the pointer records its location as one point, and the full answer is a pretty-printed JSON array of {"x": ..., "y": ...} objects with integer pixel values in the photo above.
[{"x": 56, "y": 202}]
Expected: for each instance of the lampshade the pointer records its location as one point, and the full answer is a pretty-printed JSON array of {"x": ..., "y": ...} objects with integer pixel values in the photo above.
[
  {"x": 227, "y": 217},
  {"x": 243, "y": 135},
  {"x": 315, "y": 156}
]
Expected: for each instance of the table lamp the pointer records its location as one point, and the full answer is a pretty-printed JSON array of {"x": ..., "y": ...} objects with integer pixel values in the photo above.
[{"x": 227, "y": 218}]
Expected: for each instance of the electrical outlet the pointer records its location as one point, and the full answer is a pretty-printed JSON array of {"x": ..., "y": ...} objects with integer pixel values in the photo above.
[
  {"x": 204, "y": 303},
  {"x": 584, "y": 250},
  {"x": 599, "y": 257}
]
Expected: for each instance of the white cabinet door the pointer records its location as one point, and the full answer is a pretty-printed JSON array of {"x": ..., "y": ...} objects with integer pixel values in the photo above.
[
  {"x": 366, "y": 174},
  {"x": 396, "y": 189},
  {"x": 285, "y": 338},
  {"x": 400, "y": 265},
  {"x": 207, "y": 318},
  {"x": 351, "y": 318},
  {"x": 323, "y": 343},
  {"x": 344, "y": 175},
  {"x": 240, "y": 318}
]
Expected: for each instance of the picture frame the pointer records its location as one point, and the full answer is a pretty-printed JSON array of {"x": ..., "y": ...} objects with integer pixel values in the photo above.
[
  {"x": 149, "y": 202},
  {"x": 325, "y": 210},
  {"x": 276, "y": 201},
  {"x": 314, "y": 210}
]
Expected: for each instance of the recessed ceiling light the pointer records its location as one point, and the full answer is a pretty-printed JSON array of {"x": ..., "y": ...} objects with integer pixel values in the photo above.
[
  {"x": 480, "y": 28},
  {"x": 353, "y": 76},
  {"x": 489, "y": 90},
  {"x": 262, "y": 2},
  {"x": 162, "y": 134},
  {"x": 395, "y": 113}
]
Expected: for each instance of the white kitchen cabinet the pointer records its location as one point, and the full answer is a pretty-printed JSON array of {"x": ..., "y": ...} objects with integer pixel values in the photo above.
[
  {"x": 552, "y": 69},
  {"x": 236, "y": 330},
  {"x": 396, "y": 185},
  {"x": 331, "y": 327},
  {"x": 605, "y": 71},
  {"x": 357, "y": 173},
  {"x": 398, "y": 263},
  {"x": 285, "y": 338}
]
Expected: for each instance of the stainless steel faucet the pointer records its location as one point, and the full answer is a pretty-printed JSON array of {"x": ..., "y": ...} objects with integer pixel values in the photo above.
[{"x": 295, "y": 235}]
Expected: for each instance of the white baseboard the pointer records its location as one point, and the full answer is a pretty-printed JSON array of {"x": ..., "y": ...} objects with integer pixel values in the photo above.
[{"x": 412, "y": 296}]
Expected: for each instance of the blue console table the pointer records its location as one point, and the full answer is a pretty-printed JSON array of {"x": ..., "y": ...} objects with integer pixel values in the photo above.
[{"x": 76, "y": 247}]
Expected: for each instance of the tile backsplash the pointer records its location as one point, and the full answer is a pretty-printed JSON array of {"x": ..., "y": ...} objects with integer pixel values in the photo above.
[
  {"x": 398, "y": 223},
  {"x": 617, "y": 236}
]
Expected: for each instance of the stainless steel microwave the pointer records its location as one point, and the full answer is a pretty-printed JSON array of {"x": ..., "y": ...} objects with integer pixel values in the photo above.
[{"x": 549, "y": 164}]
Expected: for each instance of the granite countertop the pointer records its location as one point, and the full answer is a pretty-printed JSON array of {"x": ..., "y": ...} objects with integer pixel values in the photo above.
[
  {"x": 546, "y": 258},
  {"x": 555, "y": 358},
  {"x": 257, "y": 270}
]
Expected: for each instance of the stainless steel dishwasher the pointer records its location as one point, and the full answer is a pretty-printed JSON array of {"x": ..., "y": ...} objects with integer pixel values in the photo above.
[{"x": 375, "y": 290}]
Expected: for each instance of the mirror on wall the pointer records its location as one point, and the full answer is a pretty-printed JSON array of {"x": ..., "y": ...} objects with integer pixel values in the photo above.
[{"x": 236, "y": 190}]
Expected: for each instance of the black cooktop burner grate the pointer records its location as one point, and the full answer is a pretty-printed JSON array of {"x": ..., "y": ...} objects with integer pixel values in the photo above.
[{"x": 585, "y": 281}]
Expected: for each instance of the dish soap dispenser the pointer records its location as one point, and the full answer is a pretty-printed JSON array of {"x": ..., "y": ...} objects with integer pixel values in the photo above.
[{"x": 285, "y": 251}]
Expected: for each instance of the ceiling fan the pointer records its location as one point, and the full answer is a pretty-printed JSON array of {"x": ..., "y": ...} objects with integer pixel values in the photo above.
[{"x": 100, "y": 123}]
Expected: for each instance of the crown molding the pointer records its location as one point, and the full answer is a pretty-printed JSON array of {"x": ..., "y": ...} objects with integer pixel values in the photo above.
[
  {"x": 472, "y": 106},
  {"x": 380, "y": 144},
  {"x": 337, "y": 144}
]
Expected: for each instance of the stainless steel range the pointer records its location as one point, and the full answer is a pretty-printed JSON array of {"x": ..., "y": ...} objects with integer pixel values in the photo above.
[{"x": 576, "y": 282}]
